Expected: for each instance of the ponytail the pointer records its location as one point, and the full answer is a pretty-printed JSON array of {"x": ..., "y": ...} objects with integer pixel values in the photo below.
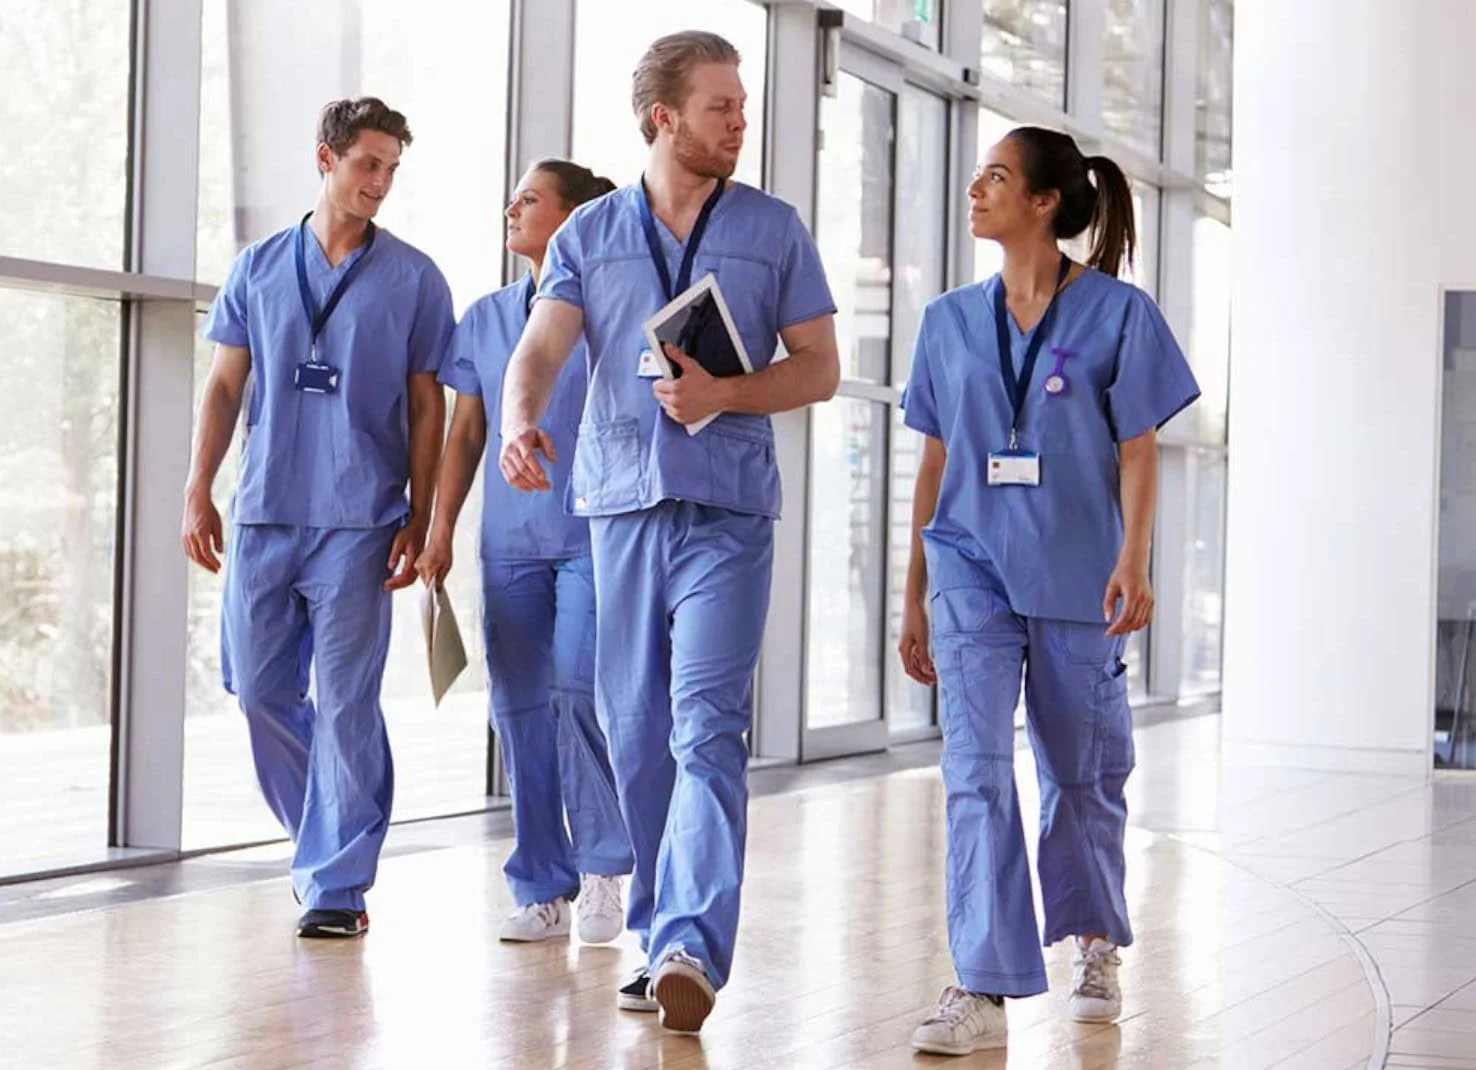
[
  {"x": 576, "y": 183},
  {"x": 1094, "y": 192},
  {"x": 1114, "y": 232}
]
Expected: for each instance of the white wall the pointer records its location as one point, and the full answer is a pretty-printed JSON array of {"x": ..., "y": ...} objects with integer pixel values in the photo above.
[{"x": 1353, "y": 157}]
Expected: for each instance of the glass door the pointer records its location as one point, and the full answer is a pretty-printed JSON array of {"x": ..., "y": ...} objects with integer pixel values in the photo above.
[{"x": 881, "y": 225}]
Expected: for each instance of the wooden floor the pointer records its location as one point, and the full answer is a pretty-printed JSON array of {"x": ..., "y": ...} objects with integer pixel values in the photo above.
[{"x": 842, "y": 950}]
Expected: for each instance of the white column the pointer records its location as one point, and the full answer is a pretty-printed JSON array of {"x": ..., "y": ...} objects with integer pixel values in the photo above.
[
  {"x": 148, "y": 787},
  {"x": 1353, "y": 159}
]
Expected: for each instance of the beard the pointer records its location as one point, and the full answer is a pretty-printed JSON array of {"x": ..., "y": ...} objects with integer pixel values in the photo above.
[{"x": 699, "y": 159}]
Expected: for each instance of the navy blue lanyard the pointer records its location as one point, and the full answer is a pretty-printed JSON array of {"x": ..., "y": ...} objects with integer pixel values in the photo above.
[
  {"x": 1018, "y": 388},
  {"x": 317, "y": 320},
  {"x": 658, "y": 254}
]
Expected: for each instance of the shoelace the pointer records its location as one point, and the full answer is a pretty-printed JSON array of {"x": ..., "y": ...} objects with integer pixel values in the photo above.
[
  {"x": 546, "y": 913},
  {"x": 600, "y": 897},
  {"x": 1090, "y": 971},
  {"x": 954, "y": 1006},
  {"x": 679, "y": 955}
]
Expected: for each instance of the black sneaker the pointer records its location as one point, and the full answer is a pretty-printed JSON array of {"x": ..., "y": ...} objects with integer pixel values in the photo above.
[
  {"x": 332, "y": 924},
  {"x": 636, "y": 995}
]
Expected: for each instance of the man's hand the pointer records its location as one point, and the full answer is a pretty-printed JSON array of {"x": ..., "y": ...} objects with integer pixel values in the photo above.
[
  {"x": 519, "y": 458},
  {"x": 693, "y": 397},
  {"x": 201, "y": 534},
  {"x": 409, "y": 541}
]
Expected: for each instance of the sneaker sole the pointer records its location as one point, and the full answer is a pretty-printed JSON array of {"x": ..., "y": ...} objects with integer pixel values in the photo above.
[
  {"x": 1096, "y": 1019},
  {"x": 504, "y": 938},
  {"x": 636, "y": 1004},
  {"x": 685, "y": 1002},
  {"x": 318, "y": 932},
  {"x": 987, "y": 1044}
]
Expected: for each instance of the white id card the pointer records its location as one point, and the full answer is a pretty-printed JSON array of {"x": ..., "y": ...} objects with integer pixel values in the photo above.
[
  {"x": 1014, "y": 468},
  {"x": 649, "y": 367}
]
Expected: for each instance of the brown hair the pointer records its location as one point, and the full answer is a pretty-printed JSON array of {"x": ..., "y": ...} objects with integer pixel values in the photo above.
[
  {"x": 1052, "y": 161},
  {"x": 661, "y": 76},
  {"x": 576, "y": 183},
  {"x": 341, "y": 120}
]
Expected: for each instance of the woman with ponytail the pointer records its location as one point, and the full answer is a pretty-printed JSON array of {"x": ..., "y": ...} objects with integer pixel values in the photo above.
[
  {"x": 1040, "y": 393},
  {"x": 538, "y": 602}
]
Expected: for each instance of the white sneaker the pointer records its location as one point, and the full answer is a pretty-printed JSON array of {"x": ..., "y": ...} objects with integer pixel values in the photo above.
[
  {"x": 537, "y": 921},
  {"x": 961, "y": 1023},
  {"x": 681, "y": 987},
  {"x": 601, "y": 915},
  {"x": 1095, "y": 993}
]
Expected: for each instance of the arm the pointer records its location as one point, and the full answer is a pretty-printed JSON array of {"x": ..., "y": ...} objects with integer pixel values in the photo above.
[
  {"x": 913, "y": 647},
  {"x": 203, "y": 536},
  {"x": 427, "y": 418},
  {"x": 532, "y": 373},
  {"x": 810, "y": 374},
  {"x": 464, "y": 445},
  {"x": 1138, "y": 483}
]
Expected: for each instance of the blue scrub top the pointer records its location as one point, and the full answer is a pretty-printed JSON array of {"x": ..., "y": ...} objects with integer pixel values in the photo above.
[
  {"x": 517, "y": 525},
  {"x": 631, "y": 455},
  {"x": 1053, "y": 546},
  {"x": 338, "y": 460}
]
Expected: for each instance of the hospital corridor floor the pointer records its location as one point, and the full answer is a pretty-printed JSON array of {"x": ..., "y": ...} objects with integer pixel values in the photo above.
[{"x": 1284, "y": 919}]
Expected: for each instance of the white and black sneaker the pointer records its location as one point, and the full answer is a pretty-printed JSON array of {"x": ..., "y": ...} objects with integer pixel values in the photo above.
[
  {"x": 963, "y": 1022},
  {"x": 536, "y": 921},
  {"x": 332, "y": 924},
  {"x": 636, "y": 995}
]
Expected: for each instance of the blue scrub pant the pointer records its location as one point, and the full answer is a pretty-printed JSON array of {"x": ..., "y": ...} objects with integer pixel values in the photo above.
[
  {"x": 1080, "y": 728},
  {"x": 538, "y": 618},
  {"x": 684, "y": 590},
  {"x": 293, "y": 593}
]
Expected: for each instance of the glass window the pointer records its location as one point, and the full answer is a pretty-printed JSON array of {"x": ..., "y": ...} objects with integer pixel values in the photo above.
[
  {"x": 843, "y": 656},
  {"x": 58, "y": 480},
  {"x": 1132, "y": 73},
  {"x": 909, "y": 704},
  {"x": 609, "y": 39},
  {"x": 64, "y": 98},
  {"x": 917, "y": 20},
  {"x": 920, "y": 259},
  {"x": 257, "y": 173},
  {"x": 1025, "y": 44},
  {"x": 1209, "y": 328},
  {"x": 1213, "y": 97},
  {"x": 854, "y": 222},
  {"x": 1455, "y": 621},
  {"x": 1204, "y": 573},
  {"x": 440, "y": 752}
]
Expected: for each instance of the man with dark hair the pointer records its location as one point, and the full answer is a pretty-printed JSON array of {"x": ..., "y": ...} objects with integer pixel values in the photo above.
[
  {"x": 340, "y": 327},
  {"x": 682, "y": 524}
]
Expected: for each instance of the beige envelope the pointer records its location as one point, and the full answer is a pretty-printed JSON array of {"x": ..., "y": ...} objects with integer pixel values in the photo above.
[{"x": 444, "y": 651}]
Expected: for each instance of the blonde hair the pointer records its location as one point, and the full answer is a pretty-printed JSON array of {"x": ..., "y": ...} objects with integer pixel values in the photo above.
[{"x": 662, "y": 74}]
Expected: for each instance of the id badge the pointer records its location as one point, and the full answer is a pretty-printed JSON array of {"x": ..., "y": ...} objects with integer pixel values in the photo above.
[
  {"x": 315, "y": 378},
  {"x": 649, "y": 367},
  {"x": 1014, "y": 468}
]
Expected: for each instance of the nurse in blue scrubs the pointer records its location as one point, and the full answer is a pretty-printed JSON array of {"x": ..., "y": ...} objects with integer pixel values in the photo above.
[
  {"x": 1040, "y": 393},
  {"x": 538, "y": 602},
  {"x": 340, "y": 327},
  {"x": 682, "y": 525}
]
